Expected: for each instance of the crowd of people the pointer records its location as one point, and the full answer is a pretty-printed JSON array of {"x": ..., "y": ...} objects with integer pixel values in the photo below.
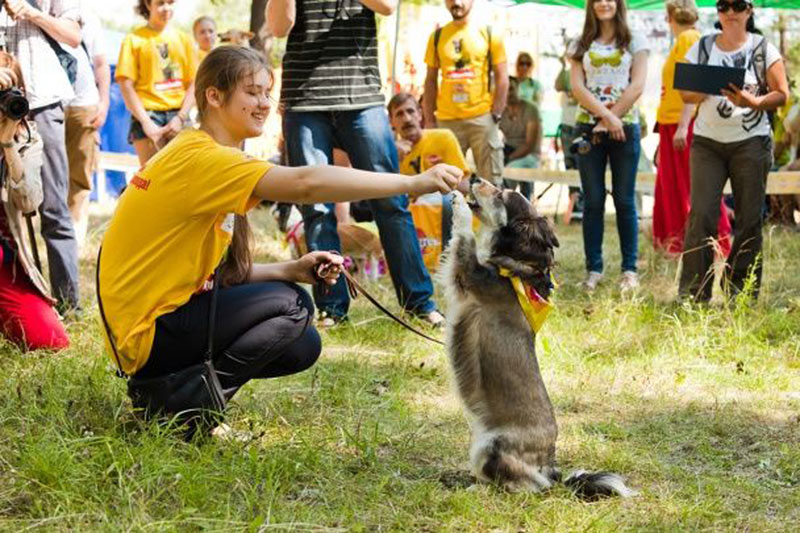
[{"x": 193, "y": 104}]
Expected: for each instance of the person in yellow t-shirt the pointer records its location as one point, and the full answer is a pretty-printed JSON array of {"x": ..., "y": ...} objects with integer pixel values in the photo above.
[
  {"x": 186, "y": 207},
  {"x": 156, "y": 66},
  {"x": 675, "y": 130},
  {"x": 467, "y": 53},
  {"x": 418, "y": 150},
  {"x": 204, "y": 30}
]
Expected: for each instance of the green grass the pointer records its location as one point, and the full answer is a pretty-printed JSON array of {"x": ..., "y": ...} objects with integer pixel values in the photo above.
[{"x": 698, "y": 407}]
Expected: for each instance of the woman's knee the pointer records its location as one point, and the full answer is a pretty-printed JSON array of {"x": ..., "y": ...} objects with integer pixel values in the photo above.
[
  {"x": 38, "y": 328},
  {"x": 307, "y": 349}
]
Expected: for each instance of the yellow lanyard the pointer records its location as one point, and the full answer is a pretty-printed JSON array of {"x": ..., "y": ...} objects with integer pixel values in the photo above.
[{"x": 534, "y": 307}]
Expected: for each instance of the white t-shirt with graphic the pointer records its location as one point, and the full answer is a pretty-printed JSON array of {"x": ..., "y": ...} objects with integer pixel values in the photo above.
[
  {"x": 718, "y": 118},
  {"x": 607, "y": 71}
]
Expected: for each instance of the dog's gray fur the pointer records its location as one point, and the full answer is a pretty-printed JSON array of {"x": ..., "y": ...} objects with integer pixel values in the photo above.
[{"x": 491, "y": 345}]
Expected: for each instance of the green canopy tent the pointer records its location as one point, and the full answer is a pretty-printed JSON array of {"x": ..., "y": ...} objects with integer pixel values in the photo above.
[{"x": 659, "y": 4}]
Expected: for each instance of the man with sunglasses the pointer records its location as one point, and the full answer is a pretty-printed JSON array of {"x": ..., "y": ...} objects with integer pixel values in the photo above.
[{"x": 732, "y": 139}]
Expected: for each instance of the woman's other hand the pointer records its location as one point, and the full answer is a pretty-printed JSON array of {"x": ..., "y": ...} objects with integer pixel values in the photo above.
[
  {"x": 8, "y": 78},
  {"x": 613, "y": 125},
  {"x": 740, "y": 97},
  {"x": 318, "y": 266},
  {"x": 153, "y": 132},
  {"x": 680, "y": 138},
  {"x": 441, "y": 178}
]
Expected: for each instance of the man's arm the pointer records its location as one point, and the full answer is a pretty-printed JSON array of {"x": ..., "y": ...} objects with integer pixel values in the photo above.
[
  {"x": 381, "y": 7},
  {"x": 62, "y": 30},
  {"x": 280, "y": 15},
  {"x": 500, "y": 88},
  {"x": 102, "y": 77},
  {"x": 429, "y": 98}
]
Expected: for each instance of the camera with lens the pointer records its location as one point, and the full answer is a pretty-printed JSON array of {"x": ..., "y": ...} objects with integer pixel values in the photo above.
[
  {"x": 581, "y": 145},
  {"x": 13, "y": 103}
]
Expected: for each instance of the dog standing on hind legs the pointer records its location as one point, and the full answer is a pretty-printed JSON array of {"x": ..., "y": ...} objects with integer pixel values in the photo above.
[{"x": 491, "y": 342}]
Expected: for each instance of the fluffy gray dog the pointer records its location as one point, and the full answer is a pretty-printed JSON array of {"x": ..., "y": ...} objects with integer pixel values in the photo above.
[{"x": 490, "y": 341}]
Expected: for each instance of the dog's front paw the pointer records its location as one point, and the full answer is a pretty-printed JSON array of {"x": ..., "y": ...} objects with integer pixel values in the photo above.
[{"x": 462, "y": 214}]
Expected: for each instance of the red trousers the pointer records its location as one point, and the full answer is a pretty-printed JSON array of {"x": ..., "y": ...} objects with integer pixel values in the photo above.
[
  {"x": 26, "y": 318},
  {"x": 672, "y": 197}
]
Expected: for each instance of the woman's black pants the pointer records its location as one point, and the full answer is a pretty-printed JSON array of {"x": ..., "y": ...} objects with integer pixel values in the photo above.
[{"x": 262, "y": 330}]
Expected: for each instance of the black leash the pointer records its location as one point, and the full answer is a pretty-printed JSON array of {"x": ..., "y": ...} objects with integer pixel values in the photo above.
[{"x": 355, "y": 287}]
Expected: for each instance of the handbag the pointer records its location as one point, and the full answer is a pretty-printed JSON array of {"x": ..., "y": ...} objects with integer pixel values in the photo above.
[{"x": 192, "y": 396}]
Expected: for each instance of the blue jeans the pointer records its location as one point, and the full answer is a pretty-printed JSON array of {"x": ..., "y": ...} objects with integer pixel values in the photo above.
[
  {"x": 366, "y": 137},
  {"x": 623, "y": 158}
]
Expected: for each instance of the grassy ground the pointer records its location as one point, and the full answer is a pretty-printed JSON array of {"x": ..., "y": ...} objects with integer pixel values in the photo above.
[{"x": 698, "y": 407}]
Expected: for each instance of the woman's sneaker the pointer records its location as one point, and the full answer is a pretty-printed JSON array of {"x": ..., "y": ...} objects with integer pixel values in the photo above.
[
  {"x": 592, "y": 280},
  {"x": 629, "y": 281}
]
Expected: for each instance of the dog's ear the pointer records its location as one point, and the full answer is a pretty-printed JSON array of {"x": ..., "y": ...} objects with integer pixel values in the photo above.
[{"x": 544, "y": 230}]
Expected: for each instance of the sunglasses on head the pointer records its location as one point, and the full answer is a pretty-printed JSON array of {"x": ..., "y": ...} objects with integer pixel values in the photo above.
[{"x": 739, "y": 6}]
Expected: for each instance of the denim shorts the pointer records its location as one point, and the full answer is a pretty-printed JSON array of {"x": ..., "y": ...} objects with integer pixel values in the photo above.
[{"x": 159, "y": 118}]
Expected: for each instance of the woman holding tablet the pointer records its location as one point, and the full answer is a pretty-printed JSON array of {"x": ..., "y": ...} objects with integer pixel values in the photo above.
[{"x": 732, "y": 138}]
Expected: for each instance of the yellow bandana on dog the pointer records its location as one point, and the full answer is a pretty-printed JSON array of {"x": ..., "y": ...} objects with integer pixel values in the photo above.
[{"x": 534, "y": 307}]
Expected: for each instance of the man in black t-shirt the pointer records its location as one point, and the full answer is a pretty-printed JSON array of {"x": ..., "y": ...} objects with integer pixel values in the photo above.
[{"x": 331, "y": 97}]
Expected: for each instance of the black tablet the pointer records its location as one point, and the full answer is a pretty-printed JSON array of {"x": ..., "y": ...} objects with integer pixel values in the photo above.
[{"x": 708, "y": 79}]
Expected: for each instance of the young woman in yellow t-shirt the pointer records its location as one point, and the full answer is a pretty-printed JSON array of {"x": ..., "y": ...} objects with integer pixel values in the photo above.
[
  {"x": 185, "y": 207},
  {"x": 155, "y": 70}
]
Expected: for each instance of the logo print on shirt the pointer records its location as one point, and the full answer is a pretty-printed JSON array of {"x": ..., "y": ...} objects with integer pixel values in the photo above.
[{"x": 227, "y": 224}]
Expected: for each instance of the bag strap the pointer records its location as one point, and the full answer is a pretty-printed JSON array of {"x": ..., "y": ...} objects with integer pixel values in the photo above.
[
  {"x": 704, "y": 51},
  {"x": 120, "y": 373},
  {"x": 760, "y": 64},
  {"x": 437, "y": 35},
  {"x": 212, "y": 317}
]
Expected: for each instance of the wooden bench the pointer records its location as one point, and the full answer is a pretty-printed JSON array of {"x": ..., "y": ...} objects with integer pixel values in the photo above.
[{"x": 777, "y": 182}]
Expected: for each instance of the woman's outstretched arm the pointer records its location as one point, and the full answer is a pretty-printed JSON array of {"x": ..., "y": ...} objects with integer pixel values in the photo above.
[{"x": 315, "y": 184}]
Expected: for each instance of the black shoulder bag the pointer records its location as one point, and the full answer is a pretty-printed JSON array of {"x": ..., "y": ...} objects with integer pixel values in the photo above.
[{"x": 192, "y": 396}]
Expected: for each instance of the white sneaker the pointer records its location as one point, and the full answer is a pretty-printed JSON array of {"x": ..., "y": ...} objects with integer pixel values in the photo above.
[
  {"x": 629, "y": 281},
  {"x": 592, "y": 280}
]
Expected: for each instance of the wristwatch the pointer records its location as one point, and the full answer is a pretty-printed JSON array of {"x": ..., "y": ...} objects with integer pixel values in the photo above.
[
  {"x": 496, "y": 117},
  {"x": 10, "y": 144}
]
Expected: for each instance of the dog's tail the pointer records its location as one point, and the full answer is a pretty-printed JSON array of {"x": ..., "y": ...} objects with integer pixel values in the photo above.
[{"x": 595, "y": 485}]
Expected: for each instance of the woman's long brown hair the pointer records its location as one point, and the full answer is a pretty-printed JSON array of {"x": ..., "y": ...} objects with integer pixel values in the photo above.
[
  {"x": 223, "y": 68},
  {"x": 591, "y": 29}
]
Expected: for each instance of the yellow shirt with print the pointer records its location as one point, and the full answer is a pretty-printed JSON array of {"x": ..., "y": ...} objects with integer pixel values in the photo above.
[
  {"x": 669, "y": 112},
  {"x": 462, "y": 59},
  {"x": 161, "y": 65},
  {"x": 435, "y": 146},
  {"x": 170, "y": 230}
]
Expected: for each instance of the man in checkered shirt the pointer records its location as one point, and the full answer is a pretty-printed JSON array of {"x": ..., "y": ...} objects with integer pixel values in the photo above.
[{"x": 22, "y": 27}]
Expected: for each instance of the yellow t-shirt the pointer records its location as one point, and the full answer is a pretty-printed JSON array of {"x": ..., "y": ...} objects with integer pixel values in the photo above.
[
  {"x": 170, "y": 230},
  {"x": 440, "y": 143},
  {"x": 161, "y": 65},
  {"x": 669, "y": 111},
  {"x": 461, "y": 57}
]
